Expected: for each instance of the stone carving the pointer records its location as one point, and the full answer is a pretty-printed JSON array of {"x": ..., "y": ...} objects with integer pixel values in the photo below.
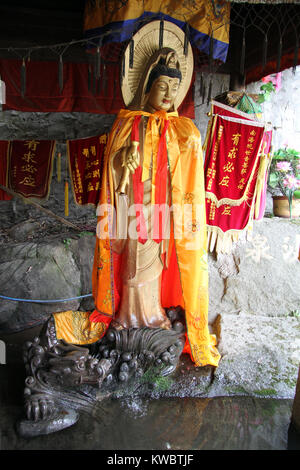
[{"x": 54, "y": 368}]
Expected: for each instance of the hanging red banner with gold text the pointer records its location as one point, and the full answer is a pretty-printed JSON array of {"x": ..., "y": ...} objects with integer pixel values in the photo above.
[
  {"x": 232, "y": 157},
  {"x": 85, "y": 164},
  {"x": 231, "y": 168},
  {"x": 30, "y": 165},
  {"x": 225, "y": 223}
]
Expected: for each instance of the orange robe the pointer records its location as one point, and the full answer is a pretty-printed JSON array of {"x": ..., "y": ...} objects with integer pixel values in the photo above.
[{"x": 185, "y": 280}]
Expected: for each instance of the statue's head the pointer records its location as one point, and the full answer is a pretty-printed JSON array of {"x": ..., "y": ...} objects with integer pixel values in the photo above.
[
  {"x": 163, "y": 83},
  {"x": 157, "y": 78}
]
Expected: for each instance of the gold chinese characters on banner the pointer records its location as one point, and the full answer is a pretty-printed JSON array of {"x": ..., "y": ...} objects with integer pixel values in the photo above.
[
  {"x": 232, "y": 166},
  {"x": 85, "y": 163},
  {"x": 29, "y": 167}
]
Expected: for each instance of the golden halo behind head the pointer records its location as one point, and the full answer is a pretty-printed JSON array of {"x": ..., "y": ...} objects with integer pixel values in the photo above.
[{"x": 145, "y": 57}]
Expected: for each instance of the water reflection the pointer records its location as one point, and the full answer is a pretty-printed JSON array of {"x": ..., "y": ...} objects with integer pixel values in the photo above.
[
  {"x": 192, "y": 423},
  {"x": 135, "y": 423},
  {"x": 224, "y": 423}
]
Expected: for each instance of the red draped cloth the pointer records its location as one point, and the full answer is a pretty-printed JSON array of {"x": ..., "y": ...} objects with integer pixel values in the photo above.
[
  {"x": 81, "y": 91},
  {"x": 85, "y": 165}
]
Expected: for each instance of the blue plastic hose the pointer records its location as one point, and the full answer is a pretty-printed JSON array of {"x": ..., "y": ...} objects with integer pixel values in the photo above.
[{"x": 44, "y": 301}]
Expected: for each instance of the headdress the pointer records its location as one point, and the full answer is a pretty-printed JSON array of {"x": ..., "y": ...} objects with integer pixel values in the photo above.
[{"x": 149, "y": 53}]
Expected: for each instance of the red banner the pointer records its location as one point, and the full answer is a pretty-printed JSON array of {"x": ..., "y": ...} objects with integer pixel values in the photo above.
[
  {"x": 85, "y": 164},
  {"x": 232, "y": 165},
  {"x": 225, "y": 110},
  {"x": 231, "y": 159},
  {"x": 3, "y": 169},
  {"x": 30, "y": 167},
  {"x": 228, "y": 217},
  {"x": 221, "y": 109}
]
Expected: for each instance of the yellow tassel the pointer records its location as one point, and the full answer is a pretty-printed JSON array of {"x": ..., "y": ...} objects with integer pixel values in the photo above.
[
  {"x": 58, "y": 167},
  {"x": 260, "y": 180},
  {"x": 207, "y": 135},
  {"x": 66, "y": 198},
  {"x": 213, "y": 239}
]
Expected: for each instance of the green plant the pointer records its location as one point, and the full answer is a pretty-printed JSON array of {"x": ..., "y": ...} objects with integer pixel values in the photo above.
[
  {"x": 85, "y": 233},
  {"x": 267, "y": 89},
  {"x": 294, "y": 313},
  {"x": 66, "y": 242},
  {"x": 284, "y": 174}
]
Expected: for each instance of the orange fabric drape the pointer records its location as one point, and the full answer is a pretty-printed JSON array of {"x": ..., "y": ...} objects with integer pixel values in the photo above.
[{"x": 189, "y": 256}]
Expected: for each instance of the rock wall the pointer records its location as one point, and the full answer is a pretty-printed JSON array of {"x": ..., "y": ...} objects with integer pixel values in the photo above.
[
  {"x": 282, "y": 110},
  {"x": 49, "y": 269},
  {"x": 260, "y": 277}
]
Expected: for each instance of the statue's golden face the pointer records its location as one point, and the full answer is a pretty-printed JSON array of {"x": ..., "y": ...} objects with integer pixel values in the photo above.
[{"x": 162, "y": 94}]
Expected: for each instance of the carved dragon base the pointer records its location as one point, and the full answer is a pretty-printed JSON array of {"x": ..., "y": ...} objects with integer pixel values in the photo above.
[{"x": 56, "y": 370}]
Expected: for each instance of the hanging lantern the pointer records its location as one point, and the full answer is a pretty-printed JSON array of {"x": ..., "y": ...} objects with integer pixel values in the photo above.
[
  {"x": 201, "y": 85},
  {"x": 89, "y": 77},
  {"x": 209, "y": 91},
  {"x": 23, "y": 78},
  {"x": 60, "y": 74},
  {"x": 105, "y": 79},
  {"x": 2, "y": 91},
  {"x": 296, "y": 51},
  {"x": 243, "y": 53},
  {"x": 265, "y": 50},
  {"x": 203, "y": 93},
  {"x": 211, "y": 50},
  {"x": 98, "y": 63},
  {"x": 279, "y": 54}
]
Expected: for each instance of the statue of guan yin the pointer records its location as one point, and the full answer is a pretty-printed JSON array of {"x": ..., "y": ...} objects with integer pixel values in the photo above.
[{"x": 150, "y": 279}]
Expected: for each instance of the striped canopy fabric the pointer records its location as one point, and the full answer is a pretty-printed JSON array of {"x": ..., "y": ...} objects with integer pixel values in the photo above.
[{"x": 208, "y": 21}]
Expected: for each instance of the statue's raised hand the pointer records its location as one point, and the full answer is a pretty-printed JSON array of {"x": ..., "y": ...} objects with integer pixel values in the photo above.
[
  {"x": 130, "y": 161},
  {"x": 131, "y": 157}
]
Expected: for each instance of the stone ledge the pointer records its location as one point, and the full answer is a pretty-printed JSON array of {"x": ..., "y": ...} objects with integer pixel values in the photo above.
[
  {"x": 262, "y": 275},
  {"x": 260, "y": 356}
]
